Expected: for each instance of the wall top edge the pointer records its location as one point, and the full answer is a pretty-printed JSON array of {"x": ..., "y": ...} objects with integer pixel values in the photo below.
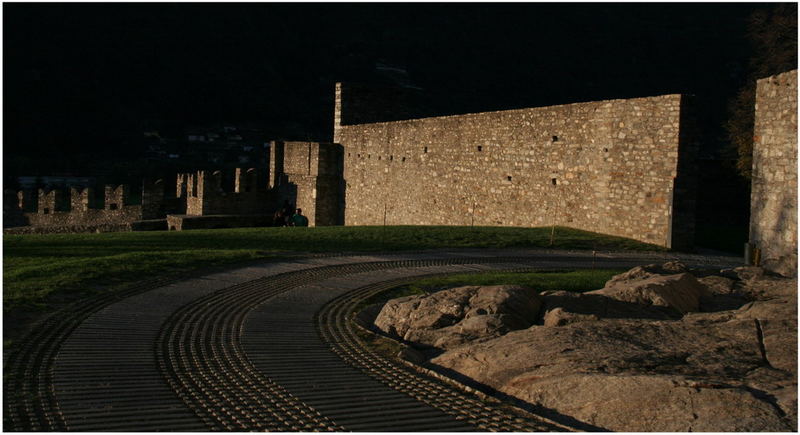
[
  {"x": 511, "y": 111},
  {"x": 778, "y": 76}
]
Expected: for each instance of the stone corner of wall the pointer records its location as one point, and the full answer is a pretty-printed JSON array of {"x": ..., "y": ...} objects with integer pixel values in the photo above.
[{"x": 790, "y": 75}]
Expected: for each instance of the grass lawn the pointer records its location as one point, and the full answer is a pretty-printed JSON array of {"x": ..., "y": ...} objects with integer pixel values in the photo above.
[{"x": 38, "y": 269}]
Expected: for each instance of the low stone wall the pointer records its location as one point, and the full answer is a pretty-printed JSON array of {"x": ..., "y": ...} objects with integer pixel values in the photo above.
[
  {"x": 188, "y": 222},
  {"x": 146, "y": 225},
  {"x": 70, "y": 229},
  {"x": 89, "y": 217}
]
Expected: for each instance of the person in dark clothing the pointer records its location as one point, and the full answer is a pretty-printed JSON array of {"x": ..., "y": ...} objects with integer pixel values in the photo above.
[
  {"x": 298, "y": 220},
  {"x": 279, "y": 220},
  {"x": 283, "y": 217},
  {"x": 287, "y": 208}
]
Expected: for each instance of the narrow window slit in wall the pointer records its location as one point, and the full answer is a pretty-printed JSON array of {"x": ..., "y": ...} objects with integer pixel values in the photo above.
[
  {"x": 480, "y": 148},
  {"x": 508, "y": 178},
  {"x": 391, "y": 158},
  {"x": 369, "y": 156},
  {"x": 554, "y": 181},
  {"x": 555, "y": 138},
  {"x": 425, "y": 149},
  {"x": 380, "y": 158},
  {"x": 404, "y": 159}
]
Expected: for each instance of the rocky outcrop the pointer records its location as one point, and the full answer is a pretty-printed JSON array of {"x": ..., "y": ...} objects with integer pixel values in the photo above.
[
  {"x": 456, "y": 316},
  {"x": 680, "y": 292},
  {"x": 656, "y": 349}
]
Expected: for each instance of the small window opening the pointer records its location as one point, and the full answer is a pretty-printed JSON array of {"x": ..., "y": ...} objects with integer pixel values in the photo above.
[
  {"x": 605, "y": 150},
  {"x": 553, "y": 180},
  {"x": 369, "y": 156},
  {"x": 112, "y": 206},
  {"x": 47, "y": 211},
  {"x": 391, "y": 158},
  {"x": 425, "y": 149},
  {"x": 404, "y": 159},
  {"x": 508, "y": 178},
  {"x": 555, "y": 138},
  {"x": 348, "y": 154},
  {"x": 480, "y": 148},
  {"x": 380, "y": 158}
]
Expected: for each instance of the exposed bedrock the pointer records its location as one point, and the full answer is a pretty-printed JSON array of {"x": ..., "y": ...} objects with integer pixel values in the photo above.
[
  {"x": 659, "y": 348},
  {"x": 453, "y": 317}
]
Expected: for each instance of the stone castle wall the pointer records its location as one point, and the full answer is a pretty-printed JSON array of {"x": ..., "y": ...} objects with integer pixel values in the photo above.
[
  {"x": 607, "y": 166},
  {"x": 308, "y": 176},
  {"x": 206, "y": 193},
  {"x": 773, "y": 215},
  {"x": 80, "y": 207}
]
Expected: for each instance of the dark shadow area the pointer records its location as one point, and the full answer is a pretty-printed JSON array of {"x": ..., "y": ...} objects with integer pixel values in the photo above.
[
  {"x": 723, "y": 207},
  {"x": 608, "y": 308},
  {"x": 287, "y": 192}
]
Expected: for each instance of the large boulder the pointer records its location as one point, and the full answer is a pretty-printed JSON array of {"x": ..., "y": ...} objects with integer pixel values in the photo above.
[
  {"x": 680, "y": 292},
  {"x": 732, "y": 370},
  {"x": 452, "y": 317},
  {"x": 655, "y": 350},
  {"x": 648, "y": 271},
  {"x": 562, "y": 307},
  {"x": 639, "y": 403},
  {"x": 629, "y": 375}
]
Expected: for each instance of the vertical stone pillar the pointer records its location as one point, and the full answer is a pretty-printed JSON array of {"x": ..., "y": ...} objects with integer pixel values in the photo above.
[{"x": 773, "y": 202}]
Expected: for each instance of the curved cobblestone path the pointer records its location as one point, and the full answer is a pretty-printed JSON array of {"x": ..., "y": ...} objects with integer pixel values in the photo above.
[{"x": 261, "y": 348}]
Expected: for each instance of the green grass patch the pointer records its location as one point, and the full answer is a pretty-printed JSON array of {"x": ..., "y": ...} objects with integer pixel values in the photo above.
[{"x": 37, "y": 267}]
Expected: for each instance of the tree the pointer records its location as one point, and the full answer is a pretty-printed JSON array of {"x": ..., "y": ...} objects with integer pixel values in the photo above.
[{"x": 773, "y": 37}]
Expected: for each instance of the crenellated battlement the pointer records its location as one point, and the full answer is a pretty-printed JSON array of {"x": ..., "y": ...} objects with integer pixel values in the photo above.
[
  {"x": 116, "y": 197},
  {"x": 80, "y": 206},
  {"x": 52, "y": 201},
  {"x": 80, "y": 199},
  {"x": 216, "y": 193}
]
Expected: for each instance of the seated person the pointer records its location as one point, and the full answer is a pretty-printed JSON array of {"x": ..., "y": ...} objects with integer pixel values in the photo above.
[{"x": 298, "y": 220}]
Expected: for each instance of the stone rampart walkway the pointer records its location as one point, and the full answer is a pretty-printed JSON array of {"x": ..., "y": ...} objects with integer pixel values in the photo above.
[{"x": 267, "y": 347}]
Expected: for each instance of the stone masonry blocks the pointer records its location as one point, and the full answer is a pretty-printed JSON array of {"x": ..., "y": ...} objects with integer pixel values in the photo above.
[
  {"x": 309, "y": 176},
  {"x": 773, "y": 202},
  {"x": 605, "y": 166}
]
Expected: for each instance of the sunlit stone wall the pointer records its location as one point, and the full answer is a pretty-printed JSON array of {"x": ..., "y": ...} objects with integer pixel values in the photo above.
[
  {"x": 607, "y": 166},
  {"x": 773, "y": 202}
]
